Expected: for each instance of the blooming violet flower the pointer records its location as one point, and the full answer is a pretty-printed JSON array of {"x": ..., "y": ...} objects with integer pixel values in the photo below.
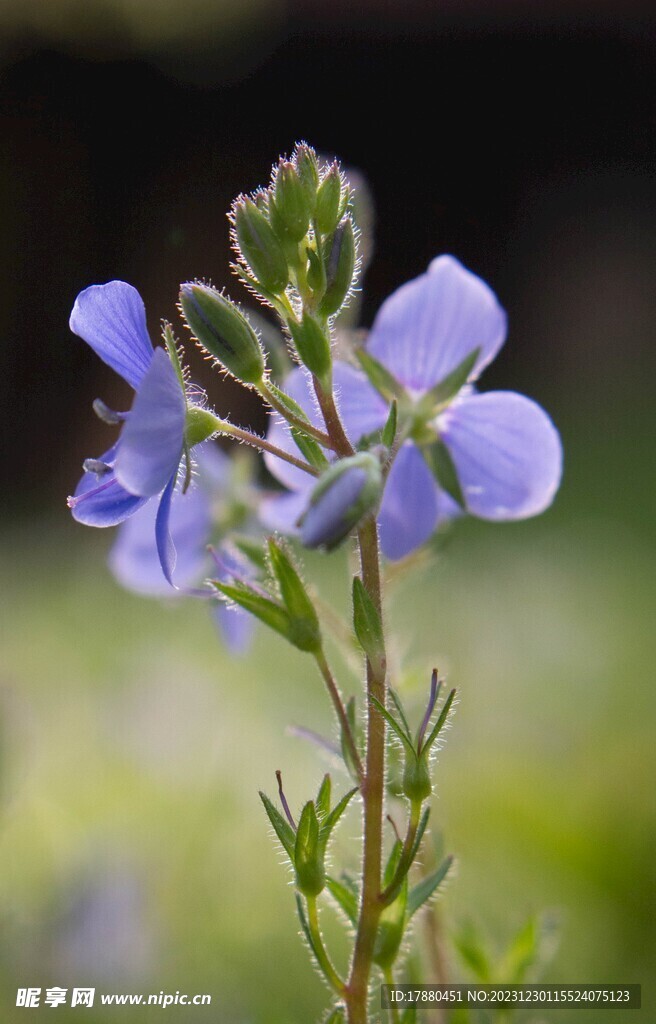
[
  {"x": 145, "y": 460},
  {"x": 505, "y": 450}
]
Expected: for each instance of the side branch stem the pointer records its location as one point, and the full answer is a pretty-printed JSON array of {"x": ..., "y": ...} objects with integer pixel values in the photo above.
[
  {"x": 340, "y": 710},
  {"x": 229, "y": 430}
]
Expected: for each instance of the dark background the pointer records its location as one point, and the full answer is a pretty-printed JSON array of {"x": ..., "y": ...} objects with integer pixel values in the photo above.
[{"x": 522, "y": 142}]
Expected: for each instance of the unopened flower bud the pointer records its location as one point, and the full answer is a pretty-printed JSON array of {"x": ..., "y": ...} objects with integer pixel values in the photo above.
[
  {"x": 313, "y": 346},
  {"x": 344, "y": 495},
  {"x": 329, "y": 195},
  {"x": 340, "y": 268},
  {"x": 260, "y": 247},
  {"x": 222, "y": 330},
  {"x": 308, "y": 173},
  {"x": 309, "y": 853},
  {"x": 417, "y": 784},
  {"x": 291, "y": 210}
]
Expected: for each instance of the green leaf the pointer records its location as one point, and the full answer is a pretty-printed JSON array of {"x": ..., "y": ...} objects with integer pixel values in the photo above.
[
  {"x": 439, "y": 725},
  {"x": 345, "y": 748},
  {"x": 381, "y": 379},
  {"x": 306, "y": 444},
  {"x": 303, "y": 618},
  {"x": 449, "y": 387},
  {"x": 439, "y": 461},
  {"x": 388, "y": 435},
  {"x": 396, "y": 700},
  {"x": 367, "y": 624},
  {"x": 263, "y": 608},
  {"x": 423, "y": 891},
  {"x": 418, "y": 837},
  {"x": 394, "y": 725},
  {"x": 323, "y": 797},
  {"x": 344, "y": 896},
  {"x": 334, "y": 816},
  {"x": 281, "y": 827},
  {"x": 391, "y": 928}
]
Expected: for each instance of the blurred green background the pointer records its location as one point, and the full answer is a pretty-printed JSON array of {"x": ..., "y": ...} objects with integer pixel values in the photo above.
[{"x": 134, "y": 854}]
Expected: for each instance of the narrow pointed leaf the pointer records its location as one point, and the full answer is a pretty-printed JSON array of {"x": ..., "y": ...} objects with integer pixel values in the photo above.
[
  {"x": 439, "y": 725},
  {"x": 367, "y": 624},
  {"x": 439, "y": 461},
  {"x": 303, "y": 619},
  {"x": 399, "y": 707},
  {"x": 265, "y": 610},
  {"x": 335, "y": 814},
  {"x": 452, "y": 383},
  {"x": 389, "y": 430},
  {"x": 381, "y": 379},
  {"x": 281, "y": 827},
  {"x": 345, "y": 747},
  {"x": 346, "y": 899},
  {"x": 418, "y": 837},
  {"x": 394, "y": 725},
  {"x": 423, "y": 891},
  {"x": 323, "y": 797}
]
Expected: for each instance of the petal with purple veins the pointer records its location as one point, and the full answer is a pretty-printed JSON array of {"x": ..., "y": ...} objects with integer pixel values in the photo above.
[
  {"x": 150, "y": 446},
  {"x": 99, "y": 499},
  {"x": 410, "y": 508},
  {"x": 428, "y": 326},
  {"x": 507, "y": 454},
  {"x": 111, "y": 319}
]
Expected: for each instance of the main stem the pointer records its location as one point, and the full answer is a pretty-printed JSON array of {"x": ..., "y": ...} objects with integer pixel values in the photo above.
[{"x": 357, "y": 990}]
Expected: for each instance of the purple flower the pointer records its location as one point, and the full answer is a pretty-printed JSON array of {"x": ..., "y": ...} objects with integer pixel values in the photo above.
[
  {"x": 504, "y": 448},
  {"x": 145, "y": 460}
]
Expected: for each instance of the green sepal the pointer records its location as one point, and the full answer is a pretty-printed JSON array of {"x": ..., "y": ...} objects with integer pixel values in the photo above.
[
  {"x": 340, "y": 268},
  {"x": 316, "y": 275},
  {"x": 417, "y": 785},
  {"x": 344, "y": 897},
  {"x": 329, "y": 194},
  {"x": 290, "y": 209},
  {"x": 367, "y": 625},
  {"x": 396, "y": 700},
  {"x": 439, "y": 461},
  {"x": 422, "y": 892},
  {"x": 449, "y": 387},
  {"x": 329, "y": 823},
  {"x": 345, "y": 747},
  {"x": 439, "y": 725},
  {"x": 323, "y": 797},
  {"x": 308, "y": 172},
  {"x": 379, "y": 377},
  {"x": 313, "y": 346},
  {"x": 260, "y": 247},
  {"x": 267, "y": 611},
  {"x": 394, "y": 726},
  {"x": 281, "y": 827},
  {"x": 199, "y": 425},
  {"x": 303, "y": 618},
  {"x": 308, "y": 853},
  {"x": 388, "y": 435}
]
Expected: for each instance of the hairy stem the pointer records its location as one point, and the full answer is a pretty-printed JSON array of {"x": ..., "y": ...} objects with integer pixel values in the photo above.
[
  {"x": 326, "y": 400},
  {"x": 340, "y": 710},
  {"x": 357, "y": 992},
  {"x": 229, "y": 430},
  {"x": 269, "y": 396},
  {"x": 319, "y": 949}
]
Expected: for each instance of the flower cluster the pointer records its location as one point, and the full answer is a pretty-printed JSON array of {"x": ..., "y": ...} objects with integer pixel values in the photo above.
[{"x": 386, "y": 444}]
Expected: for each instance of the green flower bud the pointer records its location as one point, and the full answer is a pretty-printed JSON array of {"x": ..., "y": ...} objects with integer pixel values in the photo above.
[
  {"x": 222, "y": 330},
  {"x": 313, "y": 346},
  {"x": 417, "y": 784},
  {"x": 309, "y": 853},
  {"x": 308, "y": 172},
  {"x": 340, "y": 268},
  {"x": 344, "y": 495},
  {"x": 290, "y": 213},
  {"x": 329, "y": 195},
  {"x": 260, "y": 247}
]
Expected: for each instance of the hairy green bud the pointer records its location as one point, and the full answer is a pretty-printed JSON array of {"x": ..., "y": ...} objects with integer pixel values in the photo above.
[{"x": 222, "y": 330}]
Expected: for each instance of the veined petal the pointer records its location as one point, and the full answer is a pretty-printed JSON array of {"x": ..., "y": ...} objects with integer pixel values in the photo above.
[
  {"x": 163, "y": 540},
  {"x": 507, "y": 454},
  {"x": 100, "y": 500},
  {"x": 428, "y": 326},
  {"x": 134, "y": 559},
  {"x": 409, "y": 509},
  {"x": 150, "y": 446},
  {"x": 111, "y": 319}
]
